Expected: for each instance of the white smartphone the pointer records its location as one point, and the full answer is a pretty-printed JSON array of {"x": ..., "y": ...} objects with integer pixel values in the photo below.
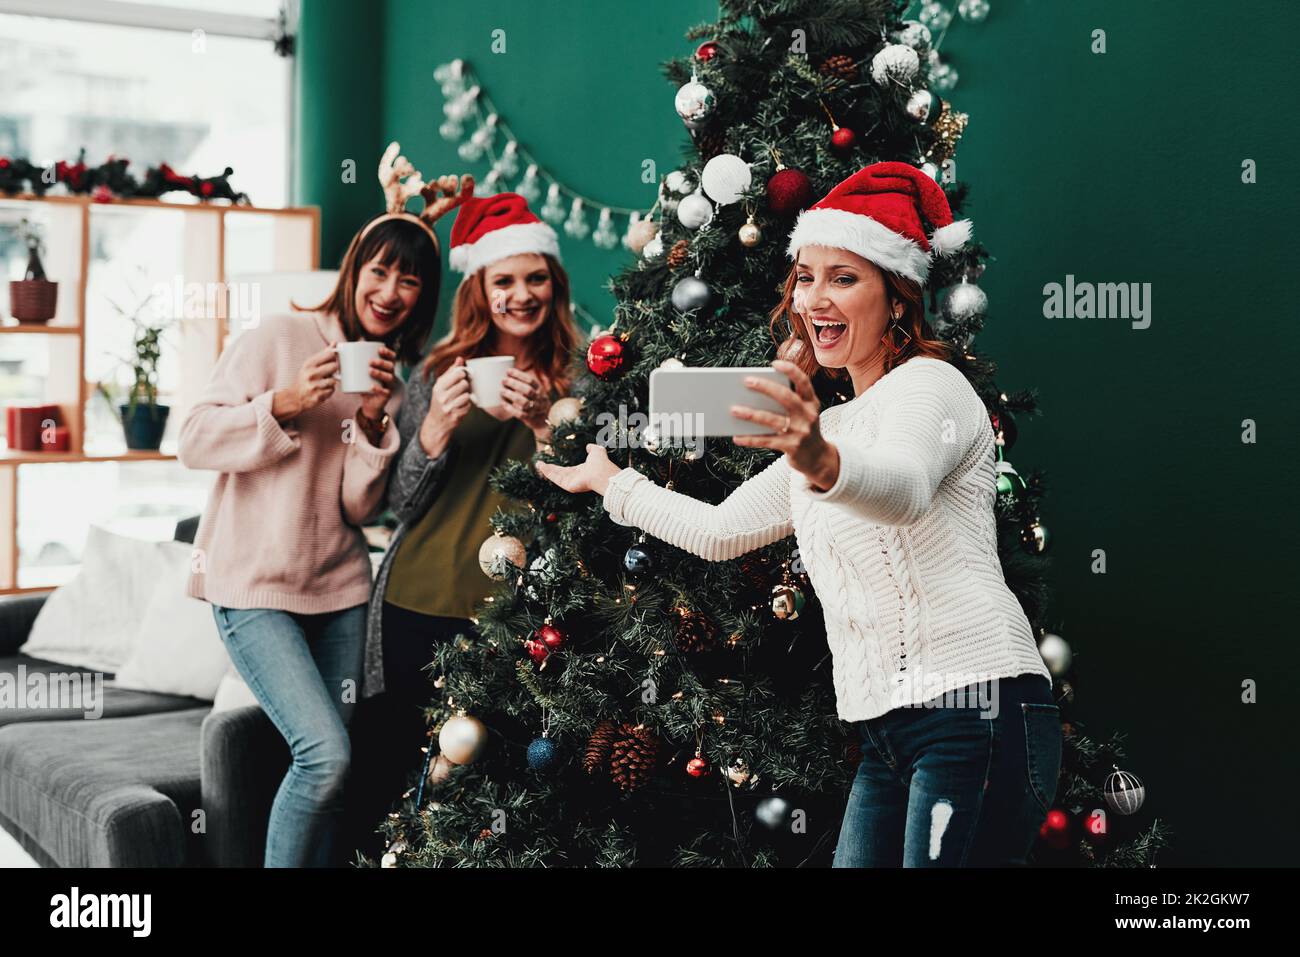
[{"x": 697, "y": 402}]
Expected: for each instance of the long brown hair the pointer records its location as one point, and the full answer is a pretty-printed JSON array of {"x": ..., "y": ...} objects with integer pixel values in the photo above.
[
  {"x": 898, "y": 289},
  {"x": 407, "y": 245},
  {"x": 549, "y": 348}
]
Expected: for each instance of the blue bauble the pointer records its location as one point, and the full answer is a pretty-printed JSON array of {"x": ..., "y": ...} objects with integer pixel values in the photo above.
[
  {"x": 638, "y": 561},
  {"x": 543, "y": 755}
]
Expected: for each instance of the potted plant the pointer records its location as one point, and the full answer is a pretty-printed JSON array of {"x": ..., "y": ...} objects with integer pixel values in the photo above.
[
  {"x": 33, "y": 298},
  {"x": 143, "y": 417}
]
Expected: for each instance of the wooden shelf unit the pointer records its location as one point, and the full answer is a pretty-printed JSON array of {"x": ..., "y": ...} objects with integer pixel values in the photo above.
[{"x": 67, "y": 223}]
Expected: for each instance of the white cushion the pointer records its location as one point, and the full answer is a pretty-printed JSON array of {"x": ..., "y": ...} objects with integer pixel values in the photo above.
[
  {"x": 92, "y": 621},
  {"x": 178, "y": 649},
  {"x": 232, "y": 693}
]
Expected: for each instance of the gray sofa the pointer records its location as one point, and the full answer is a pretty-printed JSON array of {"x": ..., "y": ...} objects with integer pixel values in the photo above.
[{"x": 157, "y": 780}]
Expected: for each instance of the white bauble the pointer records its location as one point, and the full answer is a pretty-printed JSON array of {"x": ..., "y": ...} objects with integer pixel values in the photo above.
[
  {"x": 897, "y": 62},
  {"x": 725, "y": 177},
  {"x": 695, "y": 211}
]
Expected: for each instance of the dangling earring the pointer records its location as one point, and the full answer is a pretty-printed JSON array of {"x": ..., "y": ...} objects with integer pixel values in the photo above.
[{"x": 888, "y": 338}]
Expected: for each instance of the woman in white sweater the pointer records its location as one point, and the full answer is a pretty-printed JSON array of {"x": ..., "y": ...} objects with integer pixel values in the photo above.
[{"x": 890, "y": 497}]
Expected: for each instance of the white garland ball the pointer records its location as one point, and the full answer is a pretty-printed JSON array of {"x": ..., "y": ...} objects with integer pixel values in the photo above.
[
  {"x": 462, "y": 739},
  {"x": 725, "y": 177},
  {"x": 695, "y": 211},
  {"x": 896, "y": 61},
  {"x": 694, "y": 103}
]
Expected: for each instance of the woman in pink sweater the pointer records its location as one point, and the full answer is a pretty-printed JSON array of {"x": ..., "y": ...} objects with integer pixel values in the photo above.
[{"x": 279, "y": 552}]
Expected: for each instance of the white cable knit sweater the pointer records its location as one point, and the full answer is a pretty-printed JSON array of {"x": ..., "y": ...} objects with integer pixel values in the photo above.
[{"x": 902, "y": 550}]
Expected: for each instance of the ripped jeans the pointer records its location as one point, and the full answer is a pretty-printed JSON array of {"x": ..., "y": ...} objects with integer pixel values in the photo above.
[{"x": 964, "y": 786}]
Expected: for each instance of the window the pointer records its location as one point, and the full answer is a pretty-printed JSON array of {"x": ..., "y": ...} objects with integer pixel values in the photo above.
[{"x": 198, "y": 103}]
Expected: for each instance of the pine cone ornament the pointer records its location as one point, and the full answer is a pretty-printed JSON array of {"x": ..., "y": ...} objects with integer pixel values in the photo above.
[
  {"x": 710, "y": 143},
  {"x": 677, "y": 255},
  {"x": 632, "y": 757},
  {"x": 839, "y": 66},
  {"x": 758, "y": 573},
  {"x": 695, "y": 631},
  {"x": 598, "y": 745}
]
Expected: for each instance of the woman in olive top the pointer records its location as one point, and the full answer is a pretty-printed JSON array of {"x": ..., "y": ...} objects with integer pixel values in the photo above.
[{"x": 513, "y": 300}]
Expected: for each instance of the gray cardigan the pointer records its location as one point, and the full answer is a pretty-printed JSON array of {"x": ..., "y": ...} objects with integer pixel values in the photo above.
[{"x": 413, "y": 485}]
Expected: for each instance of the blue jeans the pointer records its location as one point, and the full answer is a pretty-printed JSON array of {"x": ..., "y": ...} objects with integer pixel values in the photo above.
[
  {"x": 305, "y": 671},
  {"x": 955, "y": 786}
]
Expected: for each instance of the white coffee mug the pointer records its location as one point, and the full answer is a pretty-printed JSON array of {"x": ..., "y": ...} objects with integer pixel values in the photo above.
[
  {"x": 354, "y": 365},
  {"x": 486, "y": 374}
]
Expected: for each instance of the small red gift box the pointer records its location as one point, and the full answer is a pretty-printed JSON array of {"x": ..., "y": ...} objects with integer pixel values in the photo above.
[{"x": 26, "y": 423}]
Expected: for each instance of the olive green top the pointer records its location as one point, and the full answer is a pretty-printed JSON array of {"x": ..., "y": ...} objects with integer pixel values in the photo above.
[{"x": 436, "y": 570}]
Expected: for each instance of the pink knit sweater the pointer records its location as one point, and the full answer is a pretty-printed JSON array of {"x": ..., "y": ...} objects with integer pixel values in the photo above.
[{"x": 281, "y": 529}]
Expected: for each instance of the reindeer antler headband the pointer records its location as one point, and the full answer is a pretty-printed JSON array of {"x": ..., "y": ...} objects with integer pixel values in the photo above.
[{"x": 401, "y": 181}]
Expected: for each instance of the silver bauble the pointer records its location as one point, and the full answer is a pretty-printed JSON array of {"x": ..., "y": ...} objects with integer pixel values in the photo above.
[
  {"x": 653, "y": 249},
  {"x": 694, "y": 103},
  {"x": 691, "y": 293},
  {"x": 695, "y": 211},
  {"x": 672, "y": 362},
  {"x": 1124, "y": 792},
  {"x": 965, "y": 300},
  {"x": 924, "y": 107},
  {"x": 931, "y": 170}
]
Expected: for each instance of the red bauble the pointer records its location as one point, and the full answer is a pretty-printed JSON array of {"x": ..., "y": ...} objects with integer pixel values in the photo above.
[
  {"x": 697, "y": 767},
  {"x": 536, "y": 650},
  {"x": 706, "y": 51},
  {"x": 4, "y": 162},
  {"x": 606, "y": 356},
  {"x": 843, "y": 139},
  {"x": 550, "y": 636},
  {"x": 102, "y": 194},
  {"x": 206, "y": 189},
  {"x": 1057, "y": 820},
  {"x": 788, "y": 191},
  {"x": 552, "y": 518}
]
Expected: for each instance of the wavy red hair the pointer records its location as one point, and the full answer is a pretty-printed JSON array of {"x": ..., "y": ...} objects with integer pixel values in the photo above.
[{"x": 551, "y": 346}]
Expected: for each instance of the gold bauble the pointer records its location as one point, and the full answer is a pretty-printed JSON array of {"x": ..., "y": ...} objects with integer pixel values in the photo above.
[
  {"x": 506, "y": 547},
  {"x": 462, "y": 738},
  {"x": 564, "y": 410},
  {"x": 750, "y": 234}
]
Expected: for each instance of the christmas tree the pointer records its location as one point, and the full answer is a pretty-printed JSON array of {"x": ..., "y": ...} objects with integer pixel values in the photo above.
[{"x": 625, "y": 703}]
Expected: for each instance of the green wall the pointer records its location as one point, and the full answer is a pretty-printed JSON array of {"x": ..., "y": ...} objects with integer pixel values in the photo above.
[{"x": 1122, "y": 167}]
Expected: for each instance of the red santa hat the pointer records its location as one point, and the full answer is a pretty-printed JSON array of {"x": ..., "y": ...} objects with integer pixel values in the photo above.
[
  {"x": 877, "y": 213},
  {"x": 497, "y": 227}
]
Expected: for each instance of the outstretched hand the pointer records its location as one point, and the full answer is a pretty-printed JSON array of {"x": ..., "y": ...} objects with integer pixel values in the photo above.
[{"x": 593, "y": 475}]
